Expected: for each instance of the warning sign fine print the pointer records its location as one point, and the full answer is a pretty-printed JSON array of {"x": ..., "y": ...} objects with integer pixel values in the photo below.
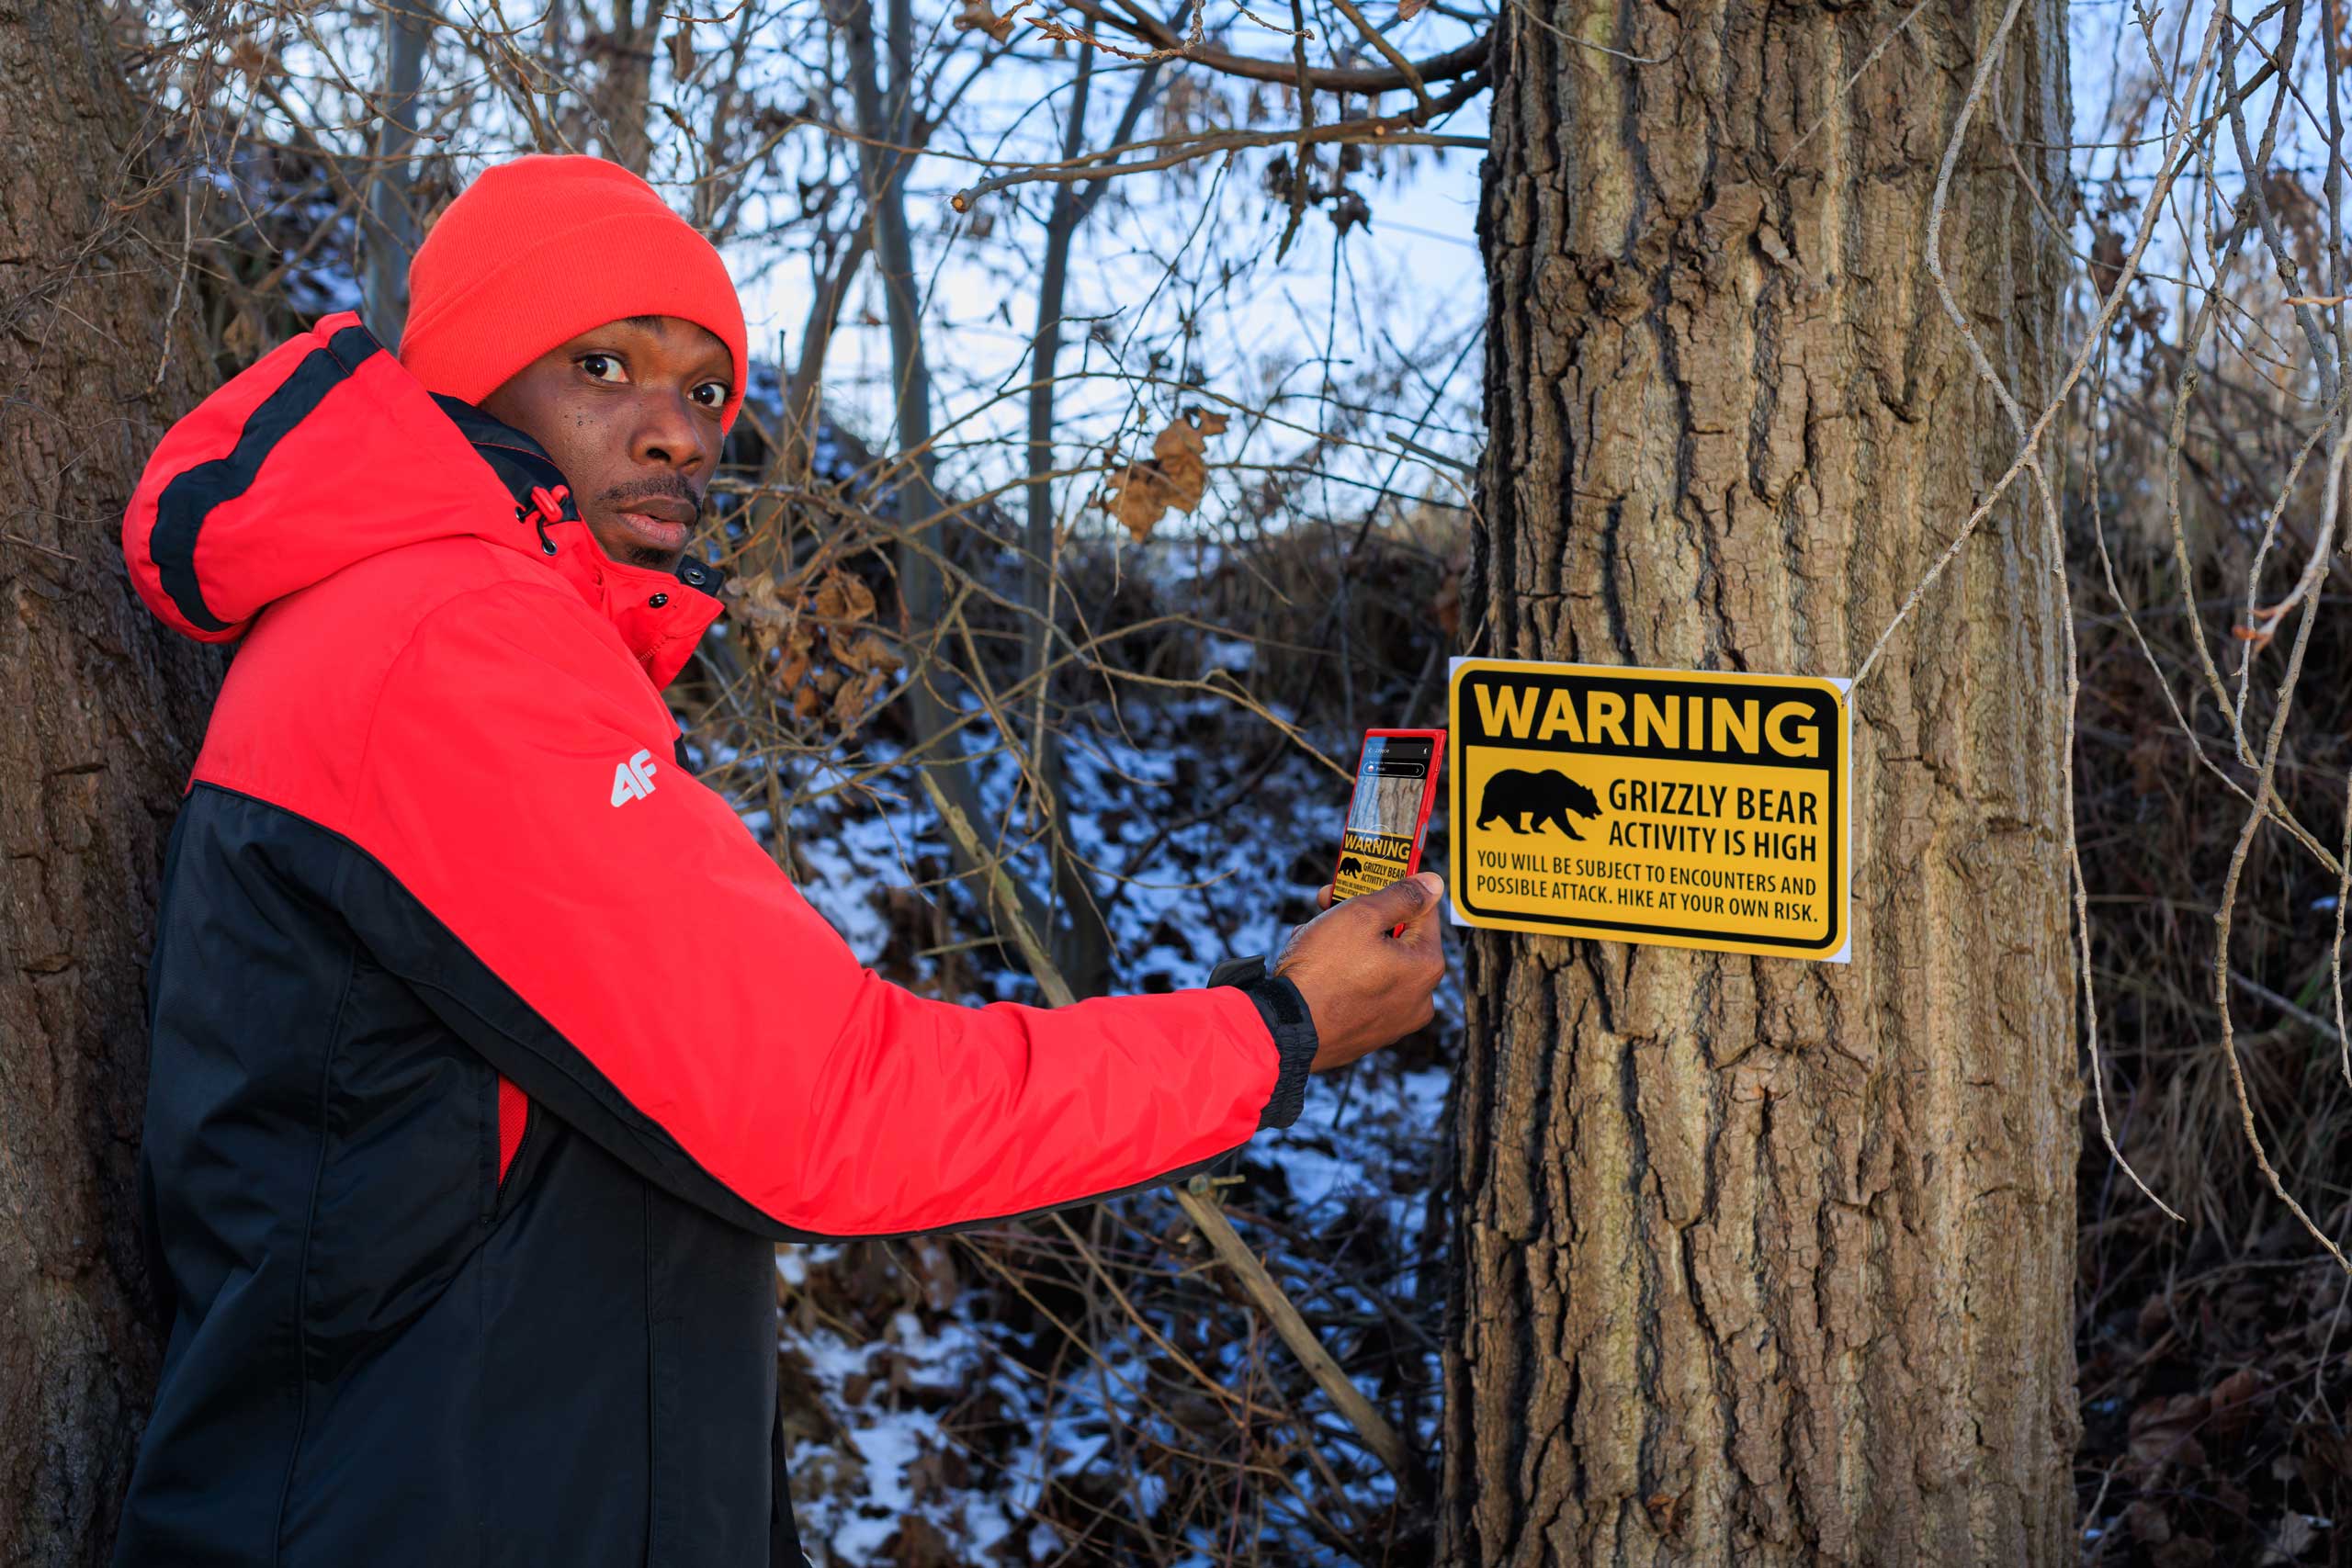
[{"x": 1678, "y": 806}]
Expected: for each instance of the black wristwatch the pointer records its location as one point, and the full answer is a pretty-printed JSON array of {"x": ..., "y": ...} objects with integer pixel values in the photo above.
[{"x": 1288, "y": 1020}]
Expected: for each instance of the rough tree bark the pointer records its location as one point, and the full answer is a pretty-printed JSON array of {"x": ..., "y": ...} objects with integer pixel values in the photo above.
[
  {"x": 624, "y": 91},
  {"x": 389, "y": 238},
  {"x": 1761, "y": 1261},
  {"x": 100, "y": 712}
]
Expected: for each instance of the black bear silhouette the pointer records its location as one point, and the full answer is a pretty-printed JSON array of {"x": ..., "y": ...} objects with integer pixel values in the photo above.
[
  {"x": 1547, "y": 795},
  {"x": 1350, "y": 867}
]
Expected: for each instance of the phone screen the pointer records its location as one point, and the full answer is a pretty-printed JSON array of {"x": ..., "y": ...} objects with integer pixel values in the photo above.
[{"x": 1396, "y": 785}]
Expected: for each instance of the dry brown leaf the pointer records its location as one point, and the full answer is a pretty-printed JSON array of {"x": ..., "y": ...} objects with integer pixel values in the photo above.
[
  {"x": 2147, "y": 1522},
  {"x": 1135, "y": 497},
  {"x": 1178, "y": 449},
  {"x": 759, "y": 610},
  {"x": 916, "y": 1543},
  {"x": 250, "y": 57},
  {"x": 1176, "y": 475},
  {"x": 836, "y": 677},
  {"x": 2232, "y": 1400},
  {"x": 2163, "y": 1432},
  {"x": 242, "y": 338},
  {"x": 976, "y": 17},
  {"x": 2297, "y": 1534},
  {"x": 792, "y": 670},
  {"x": 850, "y": 702},
  {"x": 2107, "y": 259},
  {"x": 1408, "y": 9},
  {"x": 841, "y": 597},
  {"x": 933, "y": 1267},
  {"x": 868, "y": 652},
  {"x": 759, "y": 603}
]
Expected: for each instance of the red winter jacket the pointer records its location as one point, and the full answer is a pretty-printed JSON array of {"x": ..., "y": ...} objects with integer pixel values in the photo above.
[{"x": 490, "y": 1049}]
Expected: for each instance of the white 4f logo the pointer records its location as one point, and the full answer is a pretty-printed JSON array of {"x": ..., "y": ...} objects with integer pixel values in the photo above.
[{"x": 633, "y": 780}]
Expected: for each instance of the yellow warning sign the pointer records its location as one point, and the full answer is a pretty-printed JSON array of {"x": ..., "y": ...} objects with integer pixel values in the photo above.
[{"x": 1680, "y": 806}]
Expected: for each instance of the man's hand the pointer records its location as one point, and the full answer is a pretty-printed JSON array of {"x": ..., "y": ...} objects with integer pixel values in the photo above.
[{"x": 1365, "y": 987}]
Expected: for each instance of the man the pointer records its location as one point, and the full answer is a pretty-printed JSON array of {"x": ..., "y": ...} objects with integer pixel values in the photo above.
[{"x": 491, "y": 1053}]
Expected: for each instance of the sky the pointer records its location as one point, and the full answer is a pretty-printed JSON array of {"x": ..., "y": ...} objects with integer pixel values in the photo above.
[
  {"x": 1288, "y": 336},
  {"x": 1182, "y": 266},
  {"x": 1177, "y": 298}
]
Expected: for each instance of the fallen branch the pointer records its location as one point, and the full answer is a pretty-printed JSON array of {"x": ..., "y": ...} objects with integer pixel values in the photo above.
[{"x": 1207, "y": 1218}]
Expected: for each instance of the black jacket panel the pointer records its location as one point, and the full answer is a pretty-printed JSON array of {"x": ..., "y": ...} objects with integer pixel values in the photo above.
[{"x": 377, "y": 1343}]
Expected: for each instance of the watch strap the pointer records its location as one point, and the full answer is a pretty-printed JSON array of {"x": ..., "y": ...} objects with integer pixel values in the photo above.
[{"x": 1290, "y": 1023}]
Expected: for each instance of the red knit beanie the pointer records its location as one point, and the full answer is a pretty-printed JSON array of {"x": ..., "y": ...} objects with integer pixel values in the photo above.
[{"x": 544, "y": 248}]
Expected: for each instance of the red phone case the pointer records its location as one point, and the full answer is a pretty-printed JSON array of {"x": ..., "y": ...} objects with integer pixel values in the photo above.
[{"x": 1436, "y": 738}]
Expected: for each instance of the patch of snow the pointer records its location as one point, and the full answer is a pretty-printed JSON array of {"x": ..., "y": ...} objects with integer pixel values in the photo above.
[{"x": 1232, "y": 882}]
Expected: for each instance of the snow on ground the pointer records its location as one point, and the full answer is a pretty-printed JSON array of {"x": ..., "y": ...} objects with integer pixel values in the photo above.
[{"x": 1234, "y": 882}]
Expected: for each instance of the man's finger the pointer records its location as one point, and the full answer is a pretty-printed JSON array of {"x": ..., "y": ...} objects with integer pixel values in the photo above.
[
  {"x": 1404, "y": 901},
  {"x": 1423, "y": 925}
]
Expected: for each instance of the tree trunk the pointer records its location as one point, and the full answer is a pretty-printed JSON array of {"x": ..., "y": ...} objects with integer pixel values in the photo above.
[
  {"x": 389, "y": 238},
  {"x": 1081, "y": 948},
  {"x": 103, "y": 710},
  {"x": 624, "y": 90},
  {"x": 888, "y": 117},
  {"x": 1762, "y": 1261}
]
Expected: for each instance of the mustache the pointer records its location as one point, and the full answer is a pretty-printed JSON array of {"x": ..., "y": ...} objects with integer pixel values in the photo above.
[{"x": 677, "y": 489}]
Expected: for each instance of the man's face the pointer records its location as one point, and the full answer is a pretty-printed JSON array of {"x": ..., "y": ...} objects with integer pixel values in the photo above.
[{"x": 629, "y": 411}]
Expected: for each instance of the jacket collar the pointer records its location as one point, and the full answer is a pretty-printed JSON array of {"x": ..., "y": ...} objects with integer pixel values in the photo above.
[
  {"x": 224, "y": 521},
  {"x": 660, "y": 614}
]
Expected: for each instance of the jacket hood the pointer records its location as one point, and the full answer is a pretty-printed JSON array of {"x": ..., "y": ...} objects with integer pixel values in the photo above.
[{"x": 327, "y": 451}]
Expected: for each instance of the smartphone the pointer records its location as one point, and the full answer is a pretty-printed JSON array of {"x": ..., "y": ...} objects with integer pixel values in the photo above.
[{"x": 1395, "y": 786}]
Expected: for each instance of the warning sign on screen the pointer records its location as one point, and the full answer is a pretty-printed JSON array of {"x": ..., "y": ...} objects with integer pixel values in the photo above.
[{"x": 1677, "y": 807}]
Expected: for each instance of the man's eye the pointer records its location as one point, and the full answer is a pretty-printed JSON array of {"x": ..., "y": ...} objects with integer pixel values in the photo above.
[
  {"x": 603, "y": 367},
  {"x": 711, "y": 394}
]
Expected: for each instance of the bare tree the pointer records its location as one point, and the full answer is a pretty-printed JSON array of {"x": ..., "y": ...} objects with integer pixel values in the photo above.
[
  {"x": 392, "y": 231},
  {"x": 623, "y": 94},
  {"x": 893, "y": 127},
  {"x": 1082, "y": 950}
]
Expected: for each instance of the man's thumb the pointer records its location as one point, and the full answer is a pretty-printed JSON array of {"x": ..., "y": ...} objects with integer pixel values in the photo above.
[{"x": 1404, "y": 899}]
